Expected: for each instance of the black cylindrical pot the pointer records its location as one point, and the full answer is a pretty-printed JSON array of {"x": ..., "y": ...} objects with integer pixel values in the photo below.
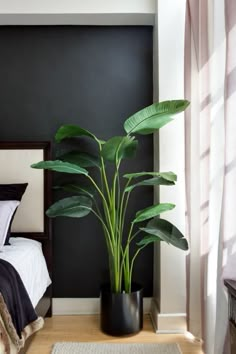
[{"x": 121, "y": 314}]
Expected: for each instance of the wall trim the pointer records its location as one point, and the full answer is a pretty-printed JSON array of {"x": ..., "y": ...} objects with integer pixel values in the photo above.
[
  {"x": 102, "y": 19},
  {"x": 85, "y": 306},
  {"x": 167, "y": 322}
]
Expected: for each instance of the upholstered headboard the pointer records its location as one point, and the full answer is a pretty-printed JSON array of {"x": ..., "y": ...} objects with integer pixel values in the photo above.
[{"x": 15, "y": 161}]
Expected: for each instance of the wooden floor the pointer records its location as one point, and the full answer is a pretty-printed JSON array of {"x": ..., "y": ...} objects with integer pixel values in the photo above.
[{"x": 86, "y": 329}]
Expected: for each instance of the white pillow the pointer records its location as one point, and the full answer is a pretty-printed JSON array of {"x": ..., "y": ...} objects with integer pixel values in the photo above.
[{"x": 7, "y": 209}]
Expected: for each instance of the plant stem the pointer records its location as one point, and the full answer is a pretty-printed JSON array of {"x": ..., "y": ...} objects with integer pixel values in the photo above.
[
  {"x": 134, "y": 235},
  {"x": 105, "y": 179},
  {"x": 114, "y": 205},
  {"x": 119, "y": 232},
  {"x": 126, "y": 269},
  {"x": 105, "y": 228},
  {"x": 127, "y": 244},
  {"x": 132, "y": 265},
  {"x": 97, "y": 207},
  {"x": 122, "y": 209},
  {"x": 109, "y": 211},
  {"x": 127, "y": 262},
  {"x": 112, "y": 254},
  {"x": 118, "y": 196},
  {"x": 124, "y": 260},
  {"x": 103, "y": 173},
  {"x": 113, "y": 201},
  {"x": 105, "y": 205}
]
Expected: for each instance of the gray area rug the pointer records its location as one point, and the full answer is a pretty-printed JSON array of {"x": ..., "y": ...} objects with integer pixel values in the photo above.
[{"x": 115, "y": 348}]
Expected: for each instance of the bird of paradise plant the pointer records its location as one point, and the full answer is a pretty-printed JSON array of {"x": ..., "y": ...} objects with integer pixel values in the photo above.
[{"x": 114, "y": 199}]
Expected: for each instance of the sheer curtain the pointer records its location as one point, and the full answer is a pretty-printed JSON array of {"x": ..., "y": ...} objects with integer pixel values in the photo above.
[{"x": 210, "y": 161}]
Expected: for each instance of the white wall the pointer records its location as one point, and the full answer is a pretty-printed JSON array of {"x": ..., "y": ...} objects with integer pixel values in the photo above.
[
  {"x": 77, "y": 12},
  {"x": 170, "y": 81}
]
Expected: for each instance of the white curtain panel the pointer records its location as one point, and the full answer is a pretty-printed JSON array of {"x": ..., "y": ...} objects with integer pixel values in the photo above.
[{"x": 210, "y": 161}]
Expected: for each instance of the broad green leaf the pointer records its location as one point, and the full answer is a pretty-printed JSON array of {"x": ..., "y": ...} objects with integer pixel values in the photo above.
[
  {"x": 83, "y": 159},
  {"x": 169, "y": 176},
  {"x": 154, "y": 117},
  {"x": 163, "y": 230},
  {"x": 70, "y": 131},
  {"x": 152, "y": 211},
  {"x": 77, "y": 188},
  {"x": 60, "y": 166},
  {"x": 75, "y": 207},
  {"x": 151, "y": 182},
  {"x": 119, "y": 147}
]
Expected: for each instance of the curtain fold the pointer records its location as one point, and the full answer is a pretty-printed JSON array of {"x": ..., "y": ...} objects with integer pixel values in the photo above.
[{"x": 210, "y": 164}]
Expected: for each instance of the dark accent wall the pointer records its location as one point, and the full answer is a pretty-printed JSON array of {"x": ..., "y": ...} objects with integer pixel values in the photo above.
[{"x": 95, "y": 77}]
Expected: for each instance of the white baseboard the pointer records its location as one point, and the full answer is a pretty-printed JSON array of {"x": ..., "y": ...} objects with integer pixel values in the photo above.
[
  {"x": 167, "y": 322},
  {"x": 85, "y": 306}
]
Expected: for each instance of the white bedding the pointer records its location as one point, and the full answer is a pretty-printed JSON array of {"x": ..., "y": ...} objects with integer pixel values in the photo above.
[{"x": 27, "y": 258}]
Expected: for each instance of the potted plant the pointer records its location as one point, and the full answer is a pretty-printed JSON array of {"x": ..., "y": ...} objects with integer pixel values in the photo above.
[{"x": 121, "y": 301}]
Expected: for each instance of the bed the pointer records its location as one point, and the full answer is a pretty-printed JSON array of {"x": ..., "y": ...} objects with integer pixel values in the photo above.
[{"x": 30, "y": 244}]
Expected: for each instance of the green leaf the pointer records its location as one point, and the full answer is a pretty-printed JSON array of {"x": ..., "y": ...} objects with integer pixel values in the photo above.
[
  {"x": 151, "y": 182},
  {"x": 77, "y": 188},
  {"x": 169, "y": 176},
  {"x": 119, "y": 147},
  {"x": 71, "y": 131},
  {"x": 152, "y": 211},
  {"x": 163, "y": 230},
  {"x": 82, "y": 159},
  {"x": 154, "y": 117},
  {"x": 75, "y": 207},
  {"x": 60, "y": 166}
]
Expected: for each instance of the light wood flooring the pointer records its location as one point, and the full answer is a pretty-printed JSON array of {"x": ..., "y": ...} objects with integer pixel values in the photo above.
[{"x": 86, "y": 329}]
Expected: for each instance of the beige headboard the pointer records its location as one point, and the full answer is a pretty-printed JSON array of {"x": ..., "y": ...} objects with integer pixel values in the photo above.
[{"x": 15, "y": 161}]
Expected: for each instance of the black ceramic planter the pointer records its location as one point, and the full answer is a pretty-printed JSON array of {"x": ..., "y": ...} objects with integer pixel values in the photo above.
[{"x": 122, "y": 314}]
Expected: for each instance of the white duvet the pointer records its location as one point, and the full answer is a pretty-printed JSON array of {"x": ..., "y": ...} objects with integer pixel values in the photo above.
[{"x": 27, "y": 258}]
